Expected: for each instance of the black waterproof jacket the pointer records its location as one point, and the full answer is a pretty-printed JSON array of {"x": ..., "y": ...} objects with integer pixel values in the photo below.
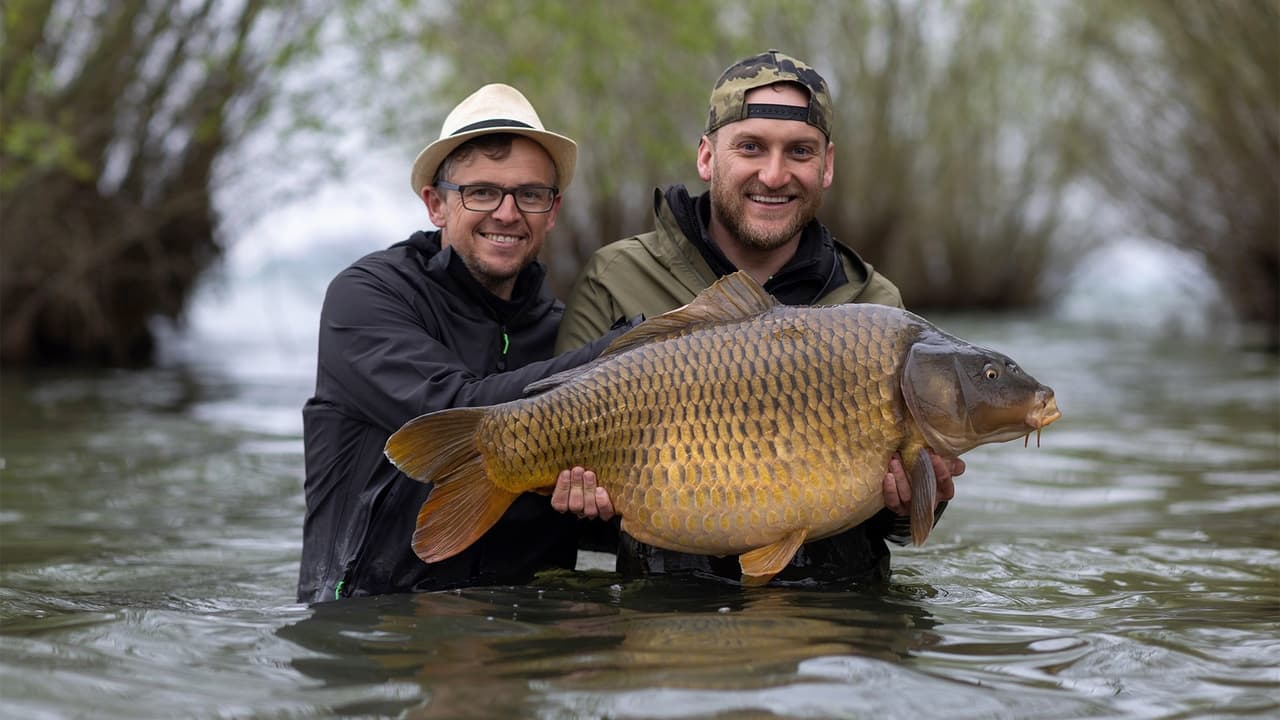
[{"x": 406, "y": 331}]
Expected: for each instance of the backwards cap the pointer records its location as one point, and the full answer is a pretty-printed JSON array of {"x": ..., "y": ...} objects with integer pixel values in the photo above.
[{"x": 728, "y": 97}]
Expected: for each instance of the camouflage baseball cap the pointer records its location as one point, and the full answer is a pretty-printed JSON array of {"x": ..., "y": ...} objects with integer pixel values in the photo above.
[{"x": 728, "y": 97}]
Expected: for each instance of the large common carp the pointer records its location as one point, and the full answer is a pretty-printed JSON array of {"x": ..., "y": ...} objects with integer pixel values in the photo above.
[{"x": 731, "y": 425}]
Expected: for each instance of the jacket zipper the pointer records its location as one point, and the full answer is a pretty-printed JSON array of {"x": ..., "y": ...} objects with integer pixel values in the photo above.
[{"x": 351, "y": 569}]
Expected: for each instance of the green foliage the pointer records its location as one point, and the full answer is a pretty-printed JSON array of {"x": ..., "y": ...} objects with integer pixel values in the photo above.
[{"x": 35, "y": 147}]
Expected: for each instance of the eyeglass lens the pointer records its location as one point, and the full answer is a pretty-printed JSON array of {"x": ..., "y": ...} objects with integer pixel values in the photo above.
[{"x": 486, "y": 198}]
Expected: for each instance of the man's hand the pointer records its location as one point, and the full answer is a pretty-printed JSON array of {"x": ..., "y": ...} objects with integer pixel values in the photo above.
[
  {"x": 576, "y": 492},
  {"x": 897, "y": 488}
]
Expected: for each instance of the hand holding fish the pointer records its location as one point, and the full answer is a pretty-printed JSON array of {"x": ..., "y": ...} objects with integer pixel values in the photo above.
[
  {"x": 577, "y": 492},
  {"x": 897, "y": 485}
]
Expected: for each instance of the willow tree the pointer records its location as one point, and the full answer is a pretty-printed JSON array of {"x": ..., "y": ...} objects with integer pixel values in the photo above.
[
  {"x": 1189, "y": 113},
  {"x": 956, "y": 169},
  {"x": 113, "y": 117}
]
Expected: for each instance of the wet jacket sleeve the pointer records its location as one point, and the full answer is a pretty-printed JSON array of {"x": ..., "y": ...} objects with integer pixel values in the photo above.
[{"x": 383, "y": 362}]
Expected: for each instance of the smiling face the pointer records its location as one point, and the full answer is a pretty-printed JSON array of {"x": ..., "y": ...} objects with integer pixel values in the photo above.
[
  {"x": 495, "y": 246},
  {"x": 767, "y": 176}
]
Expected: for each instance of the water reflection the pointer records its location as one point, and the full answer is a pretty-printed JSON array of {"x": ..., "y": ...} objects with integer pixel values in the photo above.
[{"x": 519, "y": 647}]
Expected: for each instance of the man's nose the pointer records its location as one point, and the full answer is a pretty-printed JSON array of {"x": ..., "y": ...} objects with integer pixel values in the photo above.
[
  {"x": 775, "y": 173},
  {"x": 507, "y": 210}
]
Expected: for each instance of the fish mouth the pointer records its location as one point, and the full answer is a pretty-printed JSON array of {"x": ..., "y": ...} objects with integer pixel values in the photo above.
[{"x": 1044, "y": 412}]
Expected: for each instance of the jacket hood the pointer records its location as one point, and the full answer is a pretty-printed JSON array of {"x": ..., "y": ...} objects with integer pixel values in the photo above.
[
  {"x": 530, "y": 300},
  {"x": 820, "y": 263}
]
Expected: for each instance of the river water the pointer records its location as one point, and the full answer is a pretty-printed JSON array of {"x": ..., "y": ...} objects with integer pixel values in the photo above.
[{"x": 150, "y": 527}]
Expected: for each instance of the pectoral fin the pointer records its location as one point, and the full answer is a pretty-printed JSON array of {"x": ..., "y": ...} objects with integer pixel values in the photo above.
[
  {"x": 924, "y": 496},
  {"x": 760, "y": 565}
]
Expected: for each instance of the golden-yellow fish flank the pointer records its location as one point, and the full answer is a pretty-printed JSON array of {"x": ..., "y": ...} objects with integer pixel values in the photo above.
[{"x": 717, "y": 441}]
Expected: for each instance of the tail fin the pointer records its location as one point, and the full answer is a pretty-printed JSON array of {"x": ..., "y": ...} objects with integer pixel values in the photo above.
[
  {"x": 430, "y": 448},
  {"x": 440, "y": 448}
]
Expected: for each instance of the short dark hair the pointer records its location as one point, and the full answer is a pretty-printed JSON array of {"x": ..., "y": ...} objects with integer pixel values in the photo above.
[{"x": 495, "y": 146}]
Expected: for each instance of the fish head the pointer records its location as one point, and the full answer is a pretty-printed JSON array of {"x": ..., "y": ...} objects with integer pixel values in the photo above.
[{"x": 962, "y": 396}]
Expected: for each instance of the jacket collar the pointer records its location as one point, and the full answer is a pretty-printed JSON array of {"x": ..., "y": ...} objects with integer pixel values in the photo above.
[
  {"x": 529, "y": 301},
  {"x": 813, "y": 271}
]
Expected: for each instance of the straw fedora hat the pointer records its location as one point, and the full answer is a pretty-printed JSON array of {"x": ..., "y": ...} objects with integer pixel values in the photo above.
[{"x": 494, "y": 108}]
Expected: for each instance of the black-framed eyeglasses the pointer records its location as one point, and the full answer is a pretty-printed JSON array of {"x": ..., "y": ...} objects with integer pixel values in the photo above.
[{"x": 487, "y": 198}]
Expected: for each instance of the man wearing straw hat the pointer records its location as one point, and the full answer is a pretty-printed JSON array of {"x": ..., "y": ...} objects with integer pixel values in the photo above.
[{"x": 455, "y": 317}]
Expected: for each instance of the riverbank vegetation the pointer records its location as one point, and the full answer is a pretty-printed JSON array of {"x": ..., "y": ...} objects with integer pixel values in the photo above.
[
  {"x": 112, "y": 119},
  {"x": 983, "y": 146}
]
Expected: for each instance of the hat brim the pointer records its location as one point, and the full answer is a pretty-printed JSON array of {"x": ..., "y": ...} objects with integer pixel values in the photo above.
[{"x": 563, "y": 152}]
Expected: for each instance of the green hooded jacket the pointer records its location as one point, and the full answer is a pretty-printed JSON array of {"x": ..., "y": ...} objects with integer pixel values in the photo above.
[{"x": 662, "y": 270}]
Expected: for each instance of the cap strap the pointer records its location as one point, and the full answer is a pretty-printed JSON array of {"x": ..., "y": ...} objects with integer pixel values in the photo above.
[
  {"x": 490, "y": 124},
  {"x": 778, "y": 112}
]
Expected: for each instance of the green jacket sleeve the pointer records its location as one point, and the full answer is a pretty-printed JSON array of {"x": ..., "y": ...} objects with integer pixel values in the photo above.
[{"x": 589, "y": 311}]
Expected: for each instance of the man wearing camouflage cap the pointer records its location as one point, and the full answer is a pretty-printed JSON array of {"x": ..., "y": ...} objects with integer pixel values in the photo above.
[{"x": 767, "y": 156}]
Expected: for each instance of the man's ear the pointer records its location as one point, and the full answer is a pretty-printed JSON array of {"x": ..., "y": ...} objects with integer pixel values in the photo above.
[
  {"x": 706, "y": 150},
  {"x": 435, "y": 202},
  {"x": 830, "y": 173}
]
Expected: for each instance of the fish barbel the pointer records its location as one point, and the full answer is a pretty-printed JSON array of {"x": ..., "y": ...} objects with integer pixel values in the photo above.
[{"x": 732, "y": 425}]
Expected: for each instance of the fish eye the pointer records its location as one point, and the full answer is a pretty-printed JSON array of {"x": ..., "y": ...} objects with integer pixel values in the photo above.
[{"x": 990, "y": 372}]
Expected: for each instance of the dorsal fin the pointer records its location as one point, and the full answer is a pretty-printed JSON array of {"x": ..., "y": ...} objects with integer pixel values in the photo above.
[{"x": 732, "y": 298}]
